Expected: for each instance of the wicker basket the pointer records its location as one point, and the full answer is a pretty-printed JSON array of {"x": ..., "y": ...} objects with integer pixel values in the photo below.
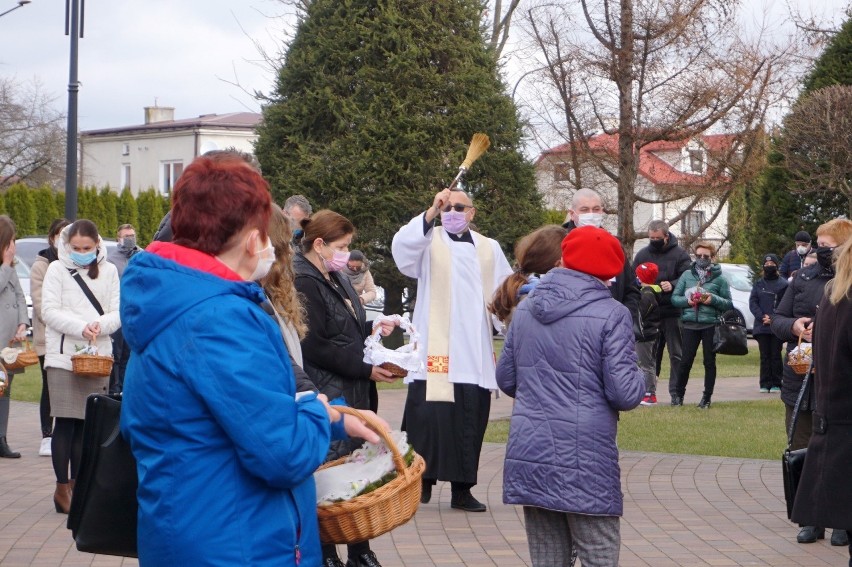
[
  {"x": 370, "y": 515},
  {"x": 27, "y": 356},
  {"x": 91, "y": 365},
  {"x": 797, "y": 362}
]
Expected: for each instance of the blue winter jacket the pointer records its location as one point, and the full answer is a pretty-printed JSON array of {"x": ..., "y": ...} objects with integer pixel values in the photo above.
[
  {"x": 225, "y": 453},
  {"x": 570, "y": 363}
]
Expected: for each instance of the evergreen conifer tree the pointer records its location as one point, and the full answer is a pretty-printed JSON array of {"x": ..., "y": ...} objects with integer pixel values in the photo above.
[{"x": 372, "y": 114}]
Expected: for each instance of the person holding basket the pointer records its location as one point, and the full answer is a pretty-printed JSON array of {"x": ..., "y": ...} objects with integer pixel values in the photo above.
[
  {"x": 79, "y": 307},
  {"x": 13, "y": 321}
]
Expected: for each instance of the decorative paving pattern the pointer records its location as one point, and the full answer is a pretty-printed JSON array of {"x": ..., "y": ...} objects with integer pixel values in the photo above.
[{"x": 679, "y": 511}]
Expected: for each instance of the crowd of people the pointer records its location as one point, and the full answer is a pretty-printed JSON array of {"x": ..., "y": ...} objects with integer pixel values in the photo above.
[{"x": 585, "y": 330}]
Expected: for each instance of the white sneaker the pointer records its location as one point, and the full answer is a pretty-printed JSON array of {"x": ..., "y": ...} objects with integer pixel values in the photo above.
[{"x": 44, "y": 450}]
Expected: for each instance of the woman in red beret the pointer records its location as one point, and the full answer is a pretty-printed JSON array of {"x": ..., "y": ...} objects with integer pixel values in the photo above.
[{"x": 569, "y": 361}]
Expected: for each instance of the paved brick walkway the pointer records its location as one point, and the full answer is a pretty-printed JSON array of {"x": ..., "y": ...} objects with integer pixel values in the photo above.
[{"x": 679, "y": 510}]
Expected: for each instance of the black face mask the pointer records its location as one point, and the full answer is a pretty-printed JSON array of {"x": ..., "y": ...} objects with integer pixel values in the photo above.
[
  {"x": 824, "y": 256},
  {"x": 657, "y": 245},
  {"x": 770, "y": 272}
]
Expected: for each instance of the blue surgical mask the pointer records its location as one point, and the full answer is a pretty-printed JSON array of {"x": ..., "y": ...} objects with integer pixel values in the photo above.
[{"x": 82, "y": 259}]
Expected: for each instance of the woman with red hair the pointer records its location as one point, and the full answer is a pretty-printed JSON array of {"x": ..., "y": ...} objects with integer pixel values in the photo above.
[{"x": 225, "y": 447}]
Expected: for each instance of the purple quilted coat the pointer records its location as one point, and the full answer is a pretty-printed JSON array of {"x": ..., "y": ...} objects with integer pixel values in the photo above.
[{"x": 569, "y": 361}]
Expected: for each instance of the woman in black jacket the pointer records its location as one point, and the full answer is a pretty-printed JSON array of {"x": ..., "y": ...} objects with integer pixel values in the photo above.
[
  {"x": 793, "y": 319},
  {"x": 333, "y": 349},
  {"x": 765, "y": 296},
  {"x": 825, "y": 491}
]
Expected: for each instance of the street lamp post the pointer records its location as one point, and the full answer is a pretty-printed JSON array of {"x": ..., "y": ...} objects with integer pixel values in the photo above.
[
  {"x": 21, "y": 4},
  {"x": 73, "y": 15}
]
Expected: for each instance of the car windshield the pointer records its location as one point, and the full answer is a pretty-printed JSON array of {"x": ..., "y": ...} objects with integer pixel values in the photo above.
[
  {"x": 21, "y": 268},
  {"x": 738, "y": 278}
]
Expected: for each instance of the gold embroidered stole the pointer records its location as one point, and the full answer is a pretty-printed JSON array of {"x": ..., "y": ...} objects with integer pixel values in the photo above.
[{"x": 438, "y": 386}]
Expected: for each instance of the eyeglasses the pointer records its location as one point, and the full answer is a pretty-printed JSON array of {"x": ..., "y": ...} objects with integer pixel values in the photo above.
[
  {"x": 458, "y": 207},
  {"x": 703, "y": 256}
]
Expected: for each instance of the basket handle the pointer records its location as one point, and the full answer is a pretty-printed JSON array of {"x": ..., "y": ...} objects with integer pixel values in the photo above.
[
  {"x": 374, "y": 424},
  {"x": 25, "y": 343}
]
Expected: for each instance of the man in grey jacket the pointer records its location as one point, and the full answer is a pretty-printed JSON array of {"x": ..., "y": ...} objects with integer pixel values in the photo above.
[{"x": 123, "y": 252}]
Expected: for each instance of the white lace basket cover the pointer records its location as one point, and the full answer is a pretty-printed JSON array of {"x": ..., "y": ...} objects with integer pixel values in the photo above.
[{"x": 406, "y": 356}]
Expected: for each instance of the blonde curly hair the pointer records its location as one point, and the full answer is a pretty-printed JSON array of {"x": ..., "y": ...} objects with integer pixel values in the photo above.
[{"x": 280, "y": 282}]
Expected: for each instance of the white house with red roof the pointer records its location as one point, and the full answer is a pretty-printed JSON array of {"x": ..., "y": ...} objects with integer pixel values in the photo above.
[
  {"x": 682, "y": 173},
  {"x": 154, "y": 154}
]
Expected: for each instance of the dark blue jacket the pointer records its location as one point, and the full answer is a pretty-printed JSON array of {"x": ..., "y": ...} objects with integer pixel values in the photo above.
[
  {"x": 765, "y": 296},
  {"x": 792, "y": 261},
  {"x": 225, "y": 453},
  {"x": 570, "y": 363}
]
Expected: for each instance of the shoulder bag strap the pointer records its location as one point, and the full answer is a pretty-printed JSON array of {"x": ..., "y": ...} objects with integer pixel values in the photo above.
[
  {"x": 88, "y": 292},
  {"x": 799, "y": 403}
]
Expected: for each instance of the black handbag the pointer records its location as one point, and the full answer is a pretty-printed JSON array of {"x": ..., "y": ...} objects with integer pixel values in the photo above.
[
  {"x": 793, "y": 462},
  {"x": 729, "y": 336},
  {"x": 103, "y": 511}
]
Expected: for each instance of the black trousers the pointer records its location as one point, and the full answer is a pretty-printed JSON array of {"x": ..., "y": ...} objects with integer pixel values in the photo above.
[
  {"x": 691, "y": 339},
  {"x": 771, "y": 360}
]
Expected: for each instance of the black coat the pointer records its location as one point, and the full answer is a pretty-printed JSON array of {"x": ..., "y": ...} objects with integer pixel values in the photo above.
[
  {"x": 625, "y": 288},
  {"x": 800, "y": 300},
  {"x": 333, "y": 349},
  {"x": 825, "y": 490},
  {"x": 646, "y": 321},
  {"x": 672, "y": 261},
  {"x": 765, "y": 296}
]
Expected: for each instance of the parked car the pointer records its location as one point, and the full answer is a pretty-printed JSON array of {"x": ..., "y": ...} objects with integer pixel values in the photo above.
[
  {"x": 739, "y": 278},
  {"x": 23, "y": 271},
  {"x": 377, "y": 306}
]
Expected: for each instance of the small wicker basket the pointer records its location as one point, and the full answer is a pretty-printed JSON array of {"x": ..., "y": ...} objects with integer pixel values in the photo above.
[
  {"x": 27, "y": 356},
  {"x": 798, "y": 362},
  {"x": 91, "y": 365},
  {"x": 375, "y": 513}
]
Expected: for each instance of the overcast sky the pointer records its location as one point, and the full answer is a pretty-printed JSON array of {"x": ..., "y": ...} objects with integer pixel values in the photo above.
[{"x": 136, "y": 52}]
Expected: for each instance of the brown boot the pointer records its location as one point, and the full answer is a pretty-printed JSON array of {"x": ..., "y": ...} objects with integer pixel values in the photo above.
[{"x": 62, "y": 498}]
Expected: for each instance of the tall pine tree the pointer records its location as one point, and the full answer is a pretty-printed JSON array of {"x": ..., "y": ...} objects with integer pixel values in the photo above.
[{"x": 372, "y": 113}]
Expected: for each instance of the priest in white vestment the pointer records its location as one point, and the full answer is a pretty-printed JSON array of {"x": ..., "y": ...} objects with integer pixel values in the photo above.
[{"x": 457, "y": 271}]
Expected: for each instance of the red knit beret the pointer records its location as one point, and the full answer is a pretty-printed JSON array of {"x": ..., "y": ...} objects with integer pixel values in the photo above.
[
  {"x": 647, "y": 273},
  {"x": 593, "y": 251}
]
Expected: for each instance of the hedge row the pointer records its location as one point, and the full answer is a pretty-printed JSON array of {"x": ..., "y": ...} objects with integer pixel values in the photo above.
[{"x": 33, "y": 210}]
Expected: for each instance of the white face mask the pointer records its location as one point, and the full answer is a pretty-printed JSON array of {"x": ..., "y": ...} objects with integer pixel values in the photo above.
[
  {"x": 802, "y": 250},
  {"x": 265, "y": 259},
  {"x": 590, "y": 219}
]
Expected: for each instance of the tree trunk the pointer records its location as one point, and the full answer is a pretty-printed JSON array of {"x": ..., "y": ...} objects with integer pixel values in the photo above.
[
  {"x": 626, "y": 140},
  {"x": 393, "y": 305}
]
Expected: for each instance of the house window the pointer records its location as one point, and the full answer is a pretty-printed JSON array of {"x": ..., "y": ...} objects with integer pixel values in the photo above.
[
  {"x": 692, "y": 222},
  {"x": 560, "y": 172},
  {"x": 125, "y": 149},
  {"x": 696, "y": 161},
  {"x": 125, "y": 175},
  {"x": 171, "y": 170}
]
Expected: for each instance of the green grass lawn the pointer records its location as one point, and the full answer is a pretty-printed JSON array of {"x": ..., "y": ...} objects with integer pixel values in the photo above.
[
  {"x": 726, "y": 366},
  {"x": 26, "y": 387},
  {"x": 753, "y": 430}
]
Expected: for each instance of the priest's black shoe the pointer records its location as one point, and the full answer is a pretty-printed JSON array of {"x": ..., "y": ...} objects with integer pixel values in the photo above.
[
  {"x": 465, "y": 501},
  {"x": 425, "y": 493},
  {"x": 809, "y": 534},
  {"x": 839, "y": 537},
  {"x": 677, "y": 401},
  {"x": 367, "y": 559}
]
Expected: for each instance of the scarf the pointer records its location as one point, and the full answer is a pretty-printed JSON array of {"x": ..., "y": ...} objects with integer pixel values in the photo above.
[{"x": 438, "y": 386}]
